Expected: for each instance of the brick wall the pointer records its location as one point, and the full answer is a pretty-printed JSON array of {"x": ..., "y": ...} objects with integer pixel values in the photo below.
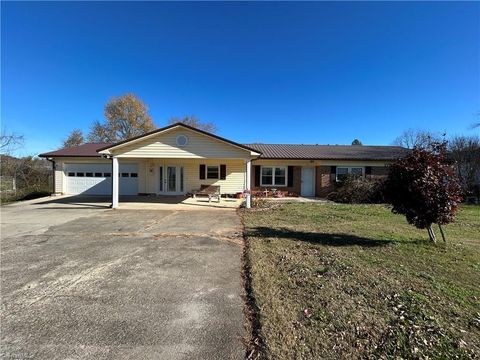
[{"x": 324, "y": 181}]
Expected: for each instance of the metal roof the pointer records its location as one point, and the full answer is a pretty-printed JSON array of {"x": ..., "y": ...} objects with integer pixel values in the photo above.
[
  {"x": 328, "y": 152},
  {"x": 85, "y": 150},
  {"x": 274, "y": 151}
]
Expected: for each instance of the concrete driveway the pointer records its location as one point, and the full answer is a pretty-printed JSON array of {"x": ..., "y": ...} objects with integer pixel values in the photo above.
[{"x": 94, "y": 283}]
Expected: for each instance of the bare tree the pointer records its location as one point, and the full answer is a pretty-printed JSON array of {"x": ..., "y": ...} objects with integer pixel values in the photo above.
[
  {"x": 465, "y": 151},
  {"x": 416, "y": 138},
  {"x": 125, "y": 117},
  {"x": 10, "y": 142},
  {"x": 193, "y": 121},
  {"x": 75, "y": 138}
]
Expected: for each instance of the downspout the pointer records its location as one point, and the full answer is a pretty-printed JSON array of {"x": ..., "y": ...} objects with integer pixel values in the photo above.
[{"x": 53, "y": 177}]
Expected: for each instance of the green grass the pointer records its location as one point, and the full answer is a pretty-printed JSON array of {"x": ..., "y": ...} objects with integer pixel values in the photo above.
[{"x": 356, "y": 281}]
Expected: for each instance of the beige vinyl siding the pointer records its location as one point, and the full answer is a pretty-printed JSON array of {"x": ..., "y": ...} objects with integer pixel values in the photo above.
[
  {"x": 234, "y": 182},
  {"x": 58, "y": 175},
  {"x": 164, "y": 145}
]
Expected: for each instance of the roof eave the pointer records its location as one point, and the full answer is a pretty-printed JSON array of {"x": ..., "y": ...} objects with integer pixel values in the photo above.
[{"x": 62, "y": 156}]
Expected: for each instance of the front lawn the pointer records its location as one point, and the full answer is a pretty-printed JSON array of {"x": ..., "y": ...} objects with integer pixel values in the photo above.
[{"x": 356, "y": 281}]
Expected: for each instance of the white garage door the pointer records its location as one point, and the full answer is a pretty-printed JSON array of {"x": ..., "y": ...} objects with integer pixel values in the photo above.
[{"x": 96, "y": 179}]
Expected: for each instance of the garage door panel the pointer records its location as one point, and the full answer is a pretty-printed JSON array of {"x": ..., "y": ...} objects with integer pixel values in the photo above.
[{"x": 95, "y": 179}]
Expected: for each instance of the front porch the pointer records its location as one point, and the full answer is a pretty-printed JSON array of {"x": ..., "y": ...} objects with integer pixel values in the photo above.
[
  {"x": 144, "y": 202},
  {"x": 172, "y": 181},
  {"x": 179, "y": 160}
]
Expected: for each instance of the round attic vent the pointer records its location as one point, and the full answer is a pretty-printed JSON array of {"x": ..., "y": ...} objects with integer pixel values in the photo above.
[{"x": 182, "y": 140}]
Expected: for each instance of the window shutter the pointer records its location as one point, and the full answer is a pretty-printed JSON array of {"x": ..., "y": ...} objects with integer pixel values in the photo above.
[
  {"x": 368, "y": 170},
  {"x": 257, "y": 170},
  {"x": 333, "y": 173},
  {"x": 202, "y": 172},
  {"x": 290, "y": 176},
  {"x": 223, "y": 172}
]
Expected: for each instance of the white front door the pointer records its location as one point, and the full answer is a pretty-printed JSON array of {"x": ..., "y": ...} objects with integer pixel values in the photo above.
[
  {"x": 308, "y": 188},
  {"x": 171, "y": 180}
]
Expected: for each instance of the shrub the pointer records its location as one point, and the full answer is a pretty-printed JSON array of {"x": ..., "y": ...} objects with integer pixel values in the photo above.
[
  {"x": 355, "y": 190},
  {"x": 35, "y": 194},
  {"x": 424, "y": 187}
]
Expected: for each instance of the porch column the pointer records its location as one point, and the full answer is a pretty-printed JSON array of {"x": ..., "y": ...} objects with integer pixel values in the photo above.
[
  {"x": 248, "y": 184},
  {"x": 115, "y": 182}
]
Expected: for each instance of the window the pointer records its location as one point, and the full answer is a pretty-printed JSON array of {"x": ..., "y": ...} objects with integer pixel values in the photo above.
[
  {"x": 71, "y": 174},
  {"x": 125, "y": 174},
  {"x": 274, "y": 176},
  {"x": 133, "y": 175},
  {"x": 280, "y": 176},
  {"x": 89, "y": 174},
  {"x": 161, "y": 178},
  {"x": 213, "y": 172},
  {"x": 342, "y": 172},
  {"x": 267, "y": 176},
  {"x": 80, "y": 174},
  {"x": 356, "y": 171},
  {"x": 107, "y": 174},
  {"x": 182, "y": 140},
  {"x": 98, "y": 174}
]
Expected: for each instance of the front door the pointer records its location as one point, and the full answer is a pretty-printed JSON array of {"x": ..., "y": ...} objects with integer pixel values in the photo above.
[
  {"x": 308, "y": 189},
  {"x": 171, "y": 180}
]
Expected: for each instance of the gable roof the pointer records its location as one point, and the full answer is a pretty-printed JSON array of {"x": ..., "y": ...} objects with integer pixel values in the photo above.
[
  {"x": 85, "y": 150},
  {"x": 266, "y": 151},
  {"x": 328, "y": 152},
  {"x": 166, "y": 128}
]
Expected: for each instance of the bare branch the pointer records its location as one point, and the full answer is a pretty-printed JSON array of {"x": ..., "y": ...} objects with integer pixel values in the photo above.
[
  {"x": 10, "y": 142},
  {"x": 193, "y": 121}
]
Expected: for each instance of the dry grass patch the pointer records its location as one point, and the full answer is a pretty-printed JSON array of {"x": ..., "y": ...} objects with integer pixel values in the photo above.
[{"x": 355, "y": 281}]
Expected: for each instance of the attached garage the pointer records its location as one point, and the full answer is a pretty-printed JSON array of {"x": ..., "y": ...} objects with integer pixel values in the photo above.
[{"x": 96, "y": 179}]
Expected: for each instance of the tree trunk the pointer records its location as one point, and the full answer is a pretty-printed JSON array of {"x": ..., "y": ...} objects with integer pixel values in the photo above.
[
  {"x": 431, "y": 234},
  {"x": 441, "y": 232}
]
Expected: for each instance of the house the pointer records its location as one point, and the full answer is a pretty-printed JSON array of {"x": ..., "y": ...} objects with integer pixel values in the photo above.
[{"x": 178, "y": 159}]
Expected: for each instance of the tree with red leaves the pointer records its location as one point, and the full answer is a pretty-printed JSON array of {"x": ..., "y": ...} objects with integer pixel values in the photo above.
[{"x": 424, "y": 187}]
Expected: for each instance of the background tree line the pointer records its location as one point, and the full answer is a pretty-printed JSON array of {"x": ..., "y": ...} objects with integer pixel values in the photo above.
[
  {"x": 463, "y": 152},
  {"x": 127, "y": 116},
  {"x": 22, "y": 178}
]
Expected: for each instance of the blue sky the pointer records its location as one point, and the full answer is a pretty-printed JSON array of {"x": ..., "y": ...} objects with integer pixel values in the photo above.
[{"x": 315, "y": 72}]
